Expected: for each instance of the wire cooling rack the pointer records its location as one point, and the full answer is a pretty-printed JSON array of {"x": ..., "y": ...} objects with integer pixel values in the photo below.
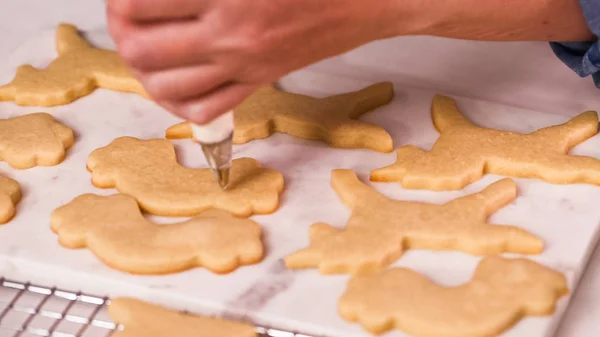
[{"x": 28, "y": 310}]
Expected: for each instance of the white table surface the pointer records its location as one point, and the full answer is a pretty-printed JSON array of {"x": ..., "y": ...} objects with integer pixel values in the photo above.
[{"x": 520, "y": 74}]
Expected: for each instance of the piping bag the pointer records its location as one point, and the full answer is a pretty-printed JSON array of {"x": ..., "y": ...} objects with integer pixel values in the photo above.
[{"x": 216, "y": 140}]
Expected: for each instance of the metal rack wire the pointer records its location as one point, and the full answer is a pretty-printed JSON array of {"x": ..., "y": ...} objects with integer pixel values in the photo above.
[{"x": 28, "y": 310}]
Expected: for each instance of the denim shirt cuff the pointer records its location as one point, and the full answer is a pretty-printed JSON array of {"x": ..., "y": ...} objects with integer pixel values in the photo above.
[{"x": 583, "y": 57}]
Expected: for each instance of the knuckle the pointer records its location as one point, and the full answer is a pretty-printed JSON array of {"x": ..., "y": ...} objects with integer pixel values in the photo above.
[
  {"x": 252, "y": 40},
  {"x": 198, "y": 42},
  {"x": 254, "y": 45}
]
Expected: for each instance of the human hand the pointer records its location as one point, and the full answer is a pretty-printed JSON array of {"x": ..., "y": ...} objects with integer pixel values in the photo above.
[{"x": 201, "y": 58}]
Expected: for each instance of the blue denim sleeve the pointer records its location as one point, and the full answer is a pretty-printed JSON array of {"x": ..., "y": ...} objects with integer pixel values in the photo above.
[{"x": 583, "y": 57}]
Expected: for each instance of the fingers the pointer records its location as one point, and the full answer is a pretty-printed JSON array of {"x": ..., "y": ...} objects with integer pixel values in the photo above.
[
  {"x": 209, "y": 106},
  {"x": 181, "y": 84},
  {"x": 170, "y": 46},
  {"x": 150, "y": 10},
  {"x": 159, "y": 46}
]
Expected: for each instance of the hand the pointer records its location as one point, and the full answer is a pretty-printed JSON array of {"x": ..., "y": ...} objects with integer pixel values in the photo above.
[{"x": 201, "y": 58}]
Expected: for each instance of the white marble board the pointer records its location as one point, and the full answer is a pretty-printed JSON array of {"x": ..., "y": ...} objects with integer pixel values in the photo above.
[{"x": 564, "y": 216}]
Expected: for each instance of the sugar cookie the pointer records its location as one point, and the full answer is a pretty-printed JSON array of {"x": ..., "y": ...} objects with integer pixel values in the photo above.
[
  {"x": 333, "y": 119},
  {"x": 10, "y": 194},
  {"x": 464, "y": 152},
  {"x": 115, "y": 230},
  {"x": 34, "y": 139},
  {"x": 379, "y": 228},
  {"x": 501, "y": 292},
  {"x": 140, "y": 319},
  {"x": 77, "y": 71},
  {"x": 148, "y": 170}
]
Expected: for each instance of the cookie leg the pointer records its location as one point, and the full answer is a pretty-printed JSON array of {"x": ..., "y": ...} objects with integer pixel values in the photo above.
[
  {"x": 7, "y": 92},
  {"x": 397, "y": 171},
  {"x": 367, "y": 99},
  {"x": 571, "y": 133},
  {"x": 311, "y": 256},
  {"x": 498, "y": 239},
  {"x": 436, "y": 171},
  {"x": 568, "y": 169},
  {"x": 498, "y": 195},
  {"x": 354, "y": 134},
  {"x": 351, "y": 191},
  {"x": 354, "y": 250}
]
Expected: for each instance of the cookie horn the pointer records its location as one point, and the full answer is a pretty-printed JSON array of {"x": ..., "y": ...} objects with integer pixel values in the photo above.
[
  {"x": 68, "y": 38},
  {"x": 446, "y": 116}
]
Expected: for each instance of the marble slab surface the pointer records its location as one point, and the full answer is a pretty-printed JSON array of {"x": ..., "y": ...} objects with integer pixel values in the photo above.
[{"x": 566, "y": 217}]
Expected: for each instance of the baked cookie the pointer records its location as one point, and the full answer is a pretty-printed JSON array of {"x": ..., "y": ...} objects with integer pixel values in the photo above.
[
  {"x": 465, "y": 152},
  {"x": 140, "y": 319},
  {"x": 77, "y": 71},
  {"x": 333, "y": 120},
  {"x": 501, "y": 292},
  {"x": 114, "y": 229},
  {"x": 34, "y": 139},
  {"x": 148, "y": 170},
  {"x": 379, "y": 228},
  {"x": 10, "y": 194}
]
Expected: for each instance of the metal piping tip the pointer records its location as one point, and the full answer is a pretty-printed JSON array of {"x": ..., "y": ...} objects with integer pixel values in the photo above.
[
  {"x": 218, "y": 156},
  {"x": 223, "y": 177}
]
